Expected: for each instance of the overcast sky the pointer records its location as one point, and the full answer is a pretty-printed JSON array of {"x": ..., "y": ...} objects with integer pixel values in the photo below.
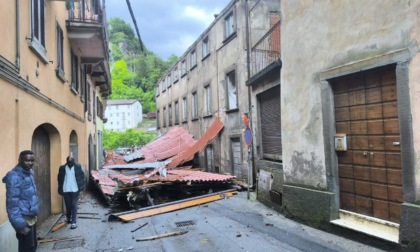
[{"x": 167, "y": 26}]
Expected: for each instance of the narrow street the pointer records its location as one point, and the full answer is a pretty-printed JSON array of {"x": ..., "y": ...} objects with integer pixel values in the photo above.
[{"x": 234, "y": 224}]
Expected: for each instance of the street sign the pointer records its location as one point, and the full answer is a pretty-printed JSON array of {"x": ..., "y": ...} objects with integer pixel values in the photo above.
[{"x": 248, "y": 136}]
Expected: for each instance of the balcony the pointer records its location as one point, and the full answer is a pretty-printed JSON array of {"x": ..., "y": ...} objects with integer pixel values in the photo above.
[
  {"x": 87, "y": 32},
  {"x": 265, "y": 54}
]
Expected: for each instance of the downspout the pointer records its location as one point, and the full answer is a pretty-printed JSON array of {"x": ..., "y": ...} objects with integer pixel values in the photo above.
[
  {"x": 17, "y": 36},
  {"x": 250, "y": 164}
]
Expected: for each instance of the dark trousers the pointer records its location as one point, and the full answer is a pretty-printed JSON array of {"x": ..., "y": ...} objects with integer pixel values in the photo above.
[
  {"x": 70, "y": 200},
  {"x": 28, "y": 242}
]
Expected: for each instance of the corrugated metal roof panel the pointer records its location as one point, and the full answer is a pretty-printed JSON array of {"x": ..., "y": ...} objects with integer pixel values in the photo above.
[{"x": 188, "y": 154}]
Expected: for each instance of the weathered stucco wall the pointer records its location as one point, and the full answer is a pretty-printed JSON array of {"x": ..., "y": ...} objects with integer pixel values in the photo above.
[{"x": 320, "y": 35}]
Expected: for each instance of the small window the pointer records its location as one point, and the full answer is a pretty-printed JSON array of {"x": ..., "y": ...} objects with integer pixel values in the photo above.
[
  {"x": 183, "y": 68},
  {"x": 164, "y": 117},
  {"x": 158, "y": 119},
  {"x": 60, "y": 53},
  {"x": 176, "y": 112},
  {"x": 205, "y": 48},
  {"x": 193, "y": 59},
  {"x": 175, "y": 74},
  {"x": 168, "y": 81},
  {"x": 207, "y": 96},
  {"x": 194, "y": 108},
  {"x": 74, "y": 72},
  {"x": 184, "y": 109},
  {"x": 163, "y": 86},
  {"x": 37, "y": 38},
  {"x": 170, "y": 115},
  {"x": 232, "y": 91},
  {"x": 229, "y": 25}
]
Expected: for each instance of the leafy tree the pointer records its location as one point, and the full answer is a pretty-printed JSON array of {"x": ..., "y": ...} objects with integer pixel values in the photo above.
[{"x": 128, "y": 138}]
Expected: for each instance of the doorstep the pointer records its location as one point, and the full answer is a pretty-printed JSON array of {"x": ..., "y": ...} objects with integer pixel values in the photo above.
[{"x": 375, "y": 227}]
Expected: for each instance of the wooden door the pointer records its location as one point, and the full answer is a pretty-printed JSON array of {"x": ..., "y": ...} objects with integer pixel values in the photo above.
[
  {"x": 41, "y": 148},
  {"x": 236, "y": 157},
  {"x": 209, "y": 158},
  {"x": 370, "y": 172}
]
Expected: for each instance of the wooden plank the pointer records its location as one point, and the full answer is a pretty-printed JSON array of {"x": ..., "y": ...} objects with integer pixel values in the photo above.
[
  {"x": 375, "y": 127},
  {"x": 374, "y": 111},
  {"x": 58, "y": 226},
  {"x": 154, "y": 237},
  {"x": 357, "y": 98},
  {"x": 380, "y": 209},
  {"x": 359, "y": 128},
  {"x": 358, "y": 112},
  {"x": 373, "y": 95},
  {"x": 362, "y": 173},
  {"x": 173, "y": 207}
]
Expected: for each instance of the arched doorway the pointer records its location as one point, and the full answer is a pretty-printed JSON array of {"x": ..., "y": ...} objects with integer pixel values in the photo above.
[
  {"x": 74, "y": 146},
  {"x": 41, "y": 148}
]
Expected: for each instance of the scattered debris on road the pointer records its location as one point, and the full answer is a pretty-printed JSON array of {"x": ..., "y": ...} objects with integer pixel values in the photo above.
[{"x": 160, "y": 176}]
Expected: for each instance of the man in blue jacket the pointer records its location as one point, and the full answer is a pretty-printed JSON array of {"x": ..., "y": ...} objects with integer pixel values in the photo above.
[
  {"x": 22, "y": 201},
  {"x": 71, "y": 181}
]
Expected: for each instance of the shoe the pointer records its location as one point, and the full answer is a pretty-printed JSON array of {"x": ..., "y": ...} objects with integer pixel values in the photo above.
[
  {"x": 68, "y": 221},
  {"x": 73, "y": 226}
]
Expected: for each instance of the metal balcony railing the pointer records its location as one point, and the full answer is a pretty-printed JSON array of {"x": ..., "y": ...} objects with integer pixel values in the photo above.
[
  {"x": 266, "y": 50},
  {"x": 90, "y": 12}
]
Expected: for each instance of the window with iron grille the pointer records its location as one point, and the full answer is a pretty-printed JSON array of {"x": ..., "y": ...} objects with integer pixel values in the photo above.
[
  {"x": 270, "y": 123},
  {"x": 232, "y": 92}
]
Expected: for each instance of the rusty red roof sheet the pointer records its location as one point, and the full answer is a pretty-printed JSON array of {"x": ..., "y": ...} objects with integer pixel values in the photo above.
[{"x": 188, "y": 154}]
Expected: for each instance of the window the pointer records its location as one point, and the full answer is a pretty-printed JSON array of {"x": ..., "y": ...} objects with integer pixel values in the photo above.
[
  {"x": 232, "y": 92},
  {"x": 184, "y": 109},
  {"x": 205, "y": 48},
  {"x": 163, "y": 86},
  {"x": 74, "y": 72},
  {"x": 229, "y": 25},
  {"x": 183, "y": 68},
  {"x": 158, "y": 119},
  {"x": 194, "y": 108},
  {"x": 270, "y": 120},
  {"x": 193, "y": 59},
  {"x": 168, "y": 80},
  {"x": 157, "y": 91},
  {"x": 207, "y": 96},
  {"x": 164, "y": 117},
  {"x": 175, "y": 74},
  {"x": 88, "y": 99},
  {"x": 170, "y": 115},
  {"x": 37, "y": 38},
  {"x": 60, "y": 59},
  {"x": 176, "y": 112}
]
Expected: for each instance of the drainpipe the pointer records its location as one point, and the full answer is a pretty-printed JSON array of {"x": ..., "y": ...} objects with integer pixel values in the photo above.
[
  {"x": 17, "y": 36},
  {"x": 250, "y": 152}
]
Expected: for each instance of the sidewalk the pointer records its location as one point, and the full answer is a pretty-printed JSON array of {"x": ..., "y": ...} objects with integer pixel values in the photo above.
[{"x": 234, "y": 224}]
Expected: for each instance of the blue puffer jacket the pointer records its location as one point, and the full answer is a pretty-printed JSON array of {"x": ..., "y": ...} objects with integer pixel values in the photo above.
[{"x": 21, "y": 199}]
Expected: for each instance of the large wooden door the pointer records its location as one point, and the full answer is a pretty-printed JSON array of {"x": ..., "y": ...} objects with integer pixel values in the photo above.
[
  {"x": 370, "y": 172},
  {"x": 41, "y": 148}
]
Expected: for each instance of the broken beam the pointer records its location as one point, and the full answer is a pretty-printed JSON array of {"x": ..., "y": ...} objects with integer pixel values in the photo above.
[
  {"x": 172, "y": 206},
  {"x": 154, "y": 237}
]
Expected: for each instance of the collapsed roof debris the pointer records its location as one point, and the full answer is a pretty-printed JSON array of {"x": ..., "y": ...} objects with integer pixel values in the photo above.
[{"x": 154, "y": 175}]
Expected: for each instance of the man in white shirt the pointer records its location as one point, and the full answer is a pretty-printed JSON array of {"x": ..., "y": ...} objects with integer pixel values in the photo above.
[{"x": 71, "y": 181}]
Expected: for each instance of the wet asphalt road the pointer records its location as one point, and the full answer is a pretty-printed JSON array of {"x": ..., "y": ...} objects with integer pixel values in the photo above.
[{"x": 234, "y": 224}]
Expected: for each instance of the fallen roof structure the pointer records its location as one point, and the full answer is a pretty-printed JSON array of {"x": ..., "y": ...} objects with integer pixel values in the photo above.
[{"x": 153, "y": 175}]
